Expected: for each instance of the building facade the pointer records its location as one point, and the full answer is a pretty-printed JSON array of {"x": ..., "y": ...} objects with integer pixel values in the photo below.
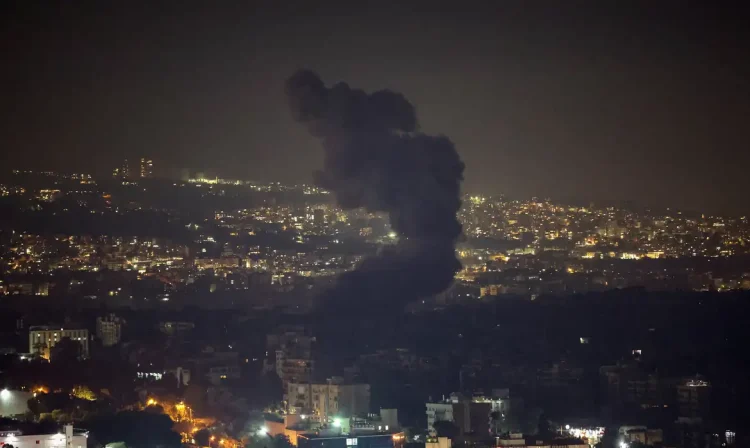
[
  {"x": 436, "y": 412},
  {"x": 42, "y": 339},
  {"x": 229, "y": 262},
  {"x": 514, "y": 440},
  {"x": 472, "y": 416},
  {"x": 332, "y": 398},
  {"x": 147, "y": 168},
  {"x": 109, "y": 330},
  {"x": 694, "y": 398},
  {"x": 123, "y": 171},
  {"x": 67, "y": 439},
  {"x": 395, "y": 440},
  {"x": 293, "y": 370}
]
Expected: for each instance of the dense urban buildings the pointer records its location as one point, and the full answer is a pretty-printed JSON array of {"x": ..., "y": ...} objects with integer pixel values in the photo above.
[
  {"x": 206, "y": 303},
  {"x": 331, "y": 398},
  {"x": 264, "y": 225},
  {"x": 521, "y": 248}
]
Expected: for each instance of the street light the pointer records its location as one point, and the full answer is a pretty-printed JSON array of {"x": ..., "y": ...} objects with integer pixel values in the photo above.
[{"x": 4, "y": 394}]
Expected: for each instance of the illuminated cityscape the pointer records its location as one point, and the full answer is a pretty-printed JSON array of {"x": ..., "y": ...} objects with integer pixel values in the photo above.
[
  {"x": 257, "y": 249},
  {"x": 511, "y": 247},
  {"x": 438, "y": 225}
]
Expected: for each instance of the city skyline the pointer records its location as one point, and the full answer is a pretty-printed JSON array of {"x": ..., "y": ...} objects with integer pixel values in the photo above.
[
  {"x": 215, "y": 177},
  {"x": 601, "y": 103}
]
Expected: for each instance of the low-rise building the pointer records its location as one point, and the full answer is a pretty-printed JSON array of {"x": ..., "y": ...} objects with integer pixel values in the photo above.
[
  {"x": 470, "y": 415},
  {"x": 219, "y": 373},
  {"x": 172, "y": 328},
  {"x": 641, "y": 434},
  {"x": 382, "y": 440},
  {"x": 215, "y": 366},
  {"x": 438, "y": 442},
  {"x": 67, "y": 439},
  {"x": 514, "y": 440},
  {"x": 43, "y": 338}
]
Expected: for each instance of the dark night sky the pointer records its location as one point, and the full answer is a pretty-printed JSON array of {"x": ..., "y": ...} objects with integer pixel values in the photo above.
[{"x": 596, "y": 100}]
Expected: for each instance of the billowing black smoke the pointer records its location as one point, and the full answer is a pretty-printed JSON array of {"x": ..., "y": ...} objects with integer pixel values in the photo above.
[{"x": 375, "y": 159}]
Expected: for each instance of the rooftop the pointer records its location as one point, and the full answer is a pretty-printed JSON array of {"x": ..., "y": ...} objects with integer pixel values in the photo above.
[{"x": 396, "y": 435}]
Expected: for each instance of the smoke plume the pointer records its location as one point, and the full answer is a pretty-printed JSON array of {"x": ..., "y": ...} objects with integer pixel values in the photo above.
[{"x": 376, "y": 159}]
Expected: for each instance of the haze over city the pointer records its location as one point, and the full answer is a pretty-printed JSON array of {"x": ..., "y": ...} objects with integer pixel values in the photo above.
[{"x": 588, "y": 101}]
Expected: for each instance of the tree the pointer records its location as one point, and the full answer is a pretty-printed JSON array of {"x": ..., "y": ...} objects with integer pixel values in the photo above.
[
  {"x": 37, "y": 406},
  {"x": 530, "y": 420},
  {"x": 66, "y": 351},
  {"x": 60, "y": 416},
  {"x": 136, "y": 429},
  {"x": 495, "y": 418},
  {"x": 544, "y": 429},
  {"x": 270, "y": 388},
  {"x": 445, "y": 428},
  {"x": 609, "y": 440},
  {"x": 46, "y": 403},
  {"x": 265, "y": 441},
  {"x": 281, "y": 441},
  {"x": 48, "y": 426},
  {"x": 84, "y": 393}
]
